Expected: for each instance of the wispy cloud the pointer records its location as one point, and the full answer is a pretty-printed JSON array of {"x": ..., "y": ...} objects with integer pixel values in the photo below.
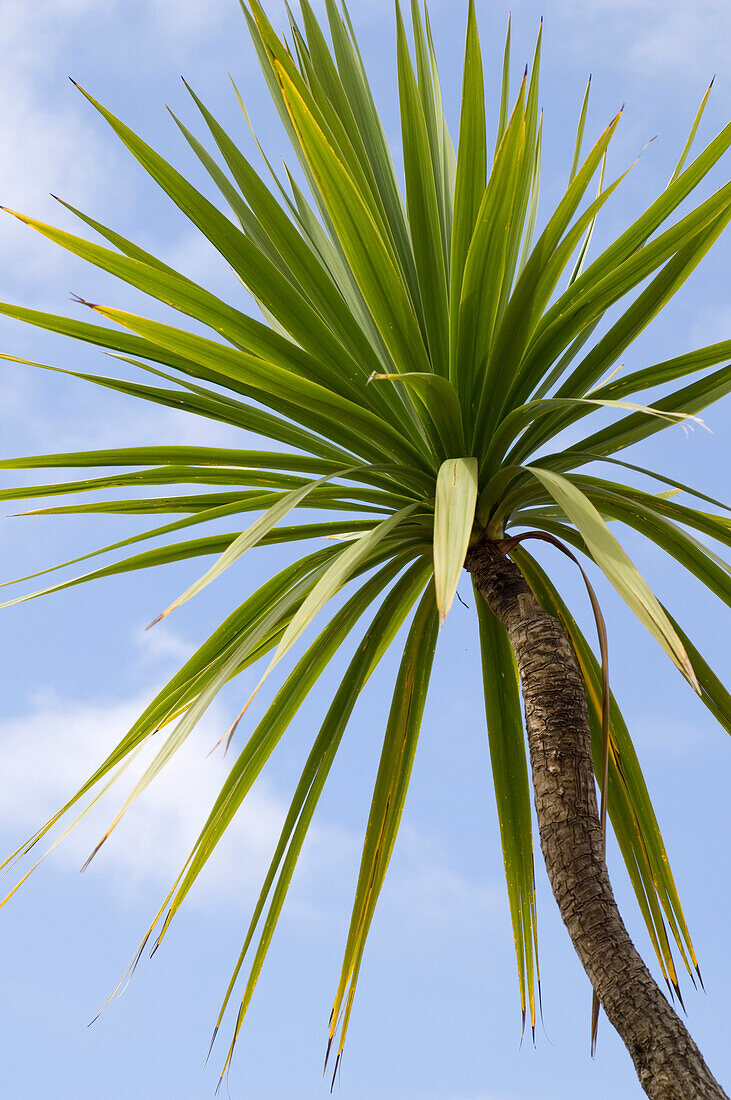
[
  {"x": 653, "y": 35},
  {"x": 50, "y": 140},
  {"x": 45, "y": 754},
  {"x": 48, "y": 750},
  {"x": 45, "y": 142}
]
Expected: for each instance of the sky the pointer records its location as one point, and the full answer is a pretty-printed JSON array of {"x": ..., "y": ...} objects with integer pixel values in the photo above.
[{"x": 437, "y": 1011}]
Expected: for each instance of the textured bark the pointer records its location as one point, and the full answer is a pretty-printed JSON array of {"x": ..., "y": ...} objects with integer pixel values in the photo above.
[{"x": 668, "y": 1063}]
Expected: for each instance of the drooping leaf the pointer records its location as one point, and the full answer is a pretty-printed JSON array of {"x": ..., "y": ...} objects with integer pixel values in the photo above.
[
  {"x": 630, "y": 809},
  {"x": 454, "y": 517},
  {"x": 617, "y": 566},
  {"x": 377, "y": 639},
  {"x": 389, "y": 796},
  {"x": 512, "y": 793}
]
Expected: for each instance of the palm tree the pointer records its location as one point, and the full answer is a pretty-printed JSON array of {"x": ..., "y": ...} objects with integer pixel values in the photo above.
[{"x": 419, "y": 358}]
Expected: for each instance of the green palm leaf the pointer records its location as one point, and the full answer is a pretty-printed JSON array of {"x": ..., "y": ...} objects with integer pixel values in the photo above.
[
  {"x": 512, "y": 793},
  {"x": 389, "y": 794}
]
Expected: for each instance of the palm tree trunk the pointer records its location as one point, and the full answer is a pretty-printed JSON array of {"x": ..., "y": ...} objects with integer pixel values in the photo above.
[{"x": 668, "y": 1063}]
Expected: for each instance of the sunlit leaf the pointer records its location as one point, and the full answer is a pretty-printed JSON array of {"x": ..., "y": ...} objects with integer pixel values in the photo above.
[
  {"x": 454, "y": 517},
  {"x": 617, "y": 566}
]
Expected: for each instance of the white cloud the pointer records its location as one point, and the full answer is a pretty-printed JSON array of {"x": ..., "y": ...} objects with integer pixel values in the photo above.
[
  {"x": 48, "y": 751},
  {"x": 44, "y": 756},
  {"x": 50, "y": 140},
  {"x": 46, "y": 143},
  {"x": 161, "y": 644}
]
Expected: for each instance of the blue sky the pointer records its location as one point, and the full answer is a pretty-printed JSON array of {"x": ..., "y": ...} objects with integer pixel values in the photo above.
[{"x": 437, "y": 1013}]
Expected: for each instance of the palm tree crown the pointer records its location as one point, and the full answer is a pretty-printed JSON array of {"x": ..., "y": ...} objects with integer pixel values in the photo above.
[{"x": 420, "y": 353}]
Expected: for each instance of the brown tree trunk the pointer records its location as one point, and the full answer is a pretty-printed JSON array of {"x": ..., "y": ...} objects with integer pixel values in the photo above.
[{"x": 668, "y": 1063}]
